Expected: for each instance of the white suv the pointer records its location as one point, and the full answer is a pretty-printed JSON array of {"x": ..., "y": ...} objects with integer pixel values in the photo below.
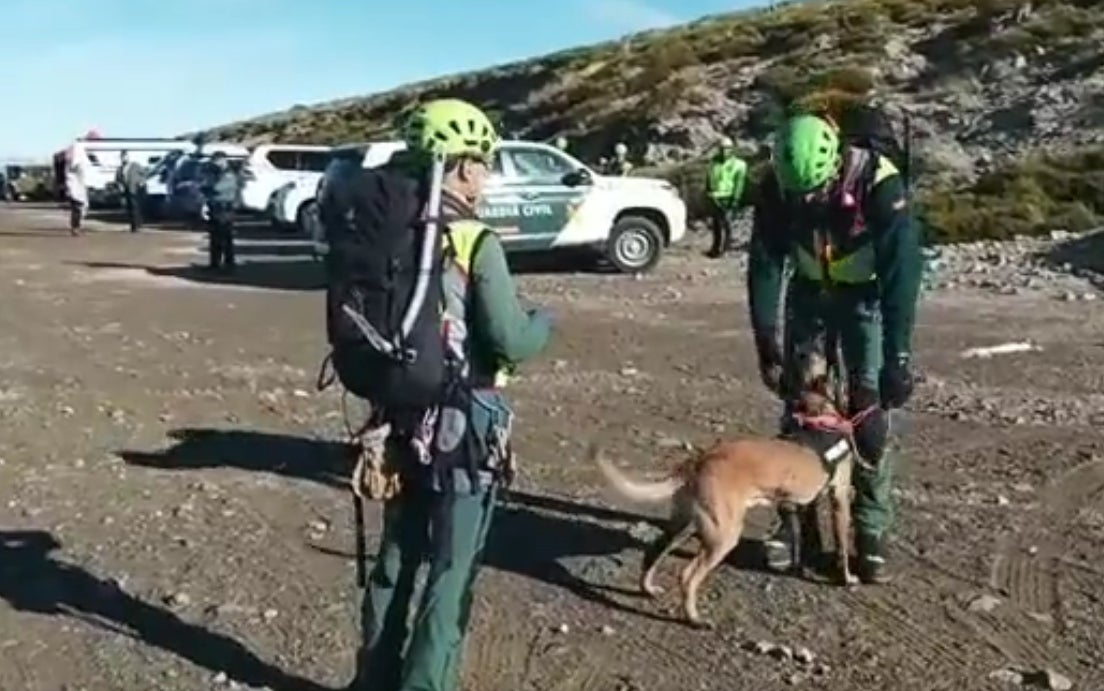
[
  {"x": 540, "y": 198},
  {"x": 271, "y": 166},
  {"x": 293, "y": 204}
]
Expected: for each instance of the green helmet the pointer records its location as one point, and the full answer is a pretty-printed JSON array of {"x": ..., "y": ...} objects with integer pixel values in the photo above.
[
  {"x": 450, "y": 127},
  {"x": 806, "y": 153}
]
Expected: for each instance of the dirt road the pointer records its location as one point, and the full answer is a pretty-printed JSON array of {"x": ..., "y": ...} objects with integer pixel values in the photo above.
[{"x": 173, "y": 513}]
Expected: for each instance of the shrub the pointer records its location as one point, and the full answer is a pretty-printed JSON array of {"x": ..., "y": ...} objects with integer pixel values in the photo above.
[
  {"x": 661, "y": 98},
  {"x": 851, "y": 79},
  {"x": 783, "y": 83},
  {"x": 663, "y": 58},
  {"x": 1033, "y": 197}
]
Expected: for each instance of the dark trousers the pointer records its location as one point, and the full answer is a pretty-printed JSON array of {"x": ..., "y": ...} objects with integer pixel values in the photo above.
[
  {"x": 432, "y": 656},
  {"x": 220, "y": 237},
  {"x": 76, "y": 215},
  {"x": 720, "y": 211},
  {"x": 133, "y": 209}
]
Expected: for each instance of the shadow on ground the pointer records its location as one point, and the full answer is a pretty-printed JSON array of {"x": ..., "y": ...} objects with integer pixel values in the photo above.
[
  {"x": 533, "y": 535},
  {"x": 563, "y": 261},
  {"x": 290, "y": 275},
  {"x": 325, "y": 462},
  {"x": 1084, "y": 253},
  {"x": 32, "y": 579}
]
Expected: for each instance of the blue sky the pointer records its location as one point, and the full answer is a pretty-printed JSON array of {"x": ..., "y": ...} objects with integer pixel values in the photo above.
[{"x": 162, "y": 67}]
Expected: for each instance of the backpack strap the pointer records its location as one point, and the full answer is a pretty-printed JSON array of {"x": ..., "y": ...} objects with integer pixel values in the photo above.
[{"x": 854, "y": 166}]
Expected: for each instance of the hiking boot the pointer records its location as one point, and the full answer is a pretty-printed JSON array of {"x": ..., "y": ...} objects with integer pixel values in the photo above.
[
  {"x": 779, "y": 548},
  {"x": 872, "y": 562},
  {"x": 779, "y": 545}
]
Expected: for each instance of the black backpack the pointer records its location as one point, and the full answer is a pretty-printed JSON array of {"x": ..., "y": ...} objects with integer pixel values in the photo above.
[
  {"x": 870, "y": 127},
  {"x": 383, "y": 295}
]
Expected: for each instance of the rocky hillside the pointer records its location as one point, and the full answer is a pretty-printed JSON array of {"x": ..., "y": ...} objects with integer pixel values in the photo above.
[{"x": 1005, "y": 98}]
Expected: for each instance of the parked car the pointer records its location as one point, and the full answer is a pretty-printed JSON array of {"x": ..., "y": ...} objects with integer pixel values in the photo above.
[
  {"x": 271, "y": 166},
  {"x": 540, "y": 198},
  {"x": 155, "y": 188},
  {"x": 100, "y": 159},
  {"x": 26, "y": 183},
  {"x": 293, "y": 205}
]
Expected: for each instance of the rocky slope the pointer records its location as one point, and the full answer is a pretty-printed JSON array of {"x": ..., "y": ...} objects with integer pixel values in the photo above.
[{"x": 984, "y": 81}]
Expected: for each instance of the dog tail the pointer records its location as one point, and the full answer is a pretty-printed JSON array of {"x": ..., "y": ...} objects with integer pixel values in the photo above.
[{"x": 633, "y": 490}]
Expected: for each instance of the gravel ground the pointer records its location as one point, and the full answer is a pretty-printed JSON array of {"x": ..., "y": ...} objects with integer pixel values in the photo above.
[{"x": 174, "y": 516}]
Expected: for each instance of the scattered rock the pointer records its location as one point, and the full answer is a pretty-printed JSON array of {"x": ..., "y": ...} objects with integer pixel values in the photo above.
[
  {"x": 179, "y": 599},
  {"x": 804, "y": 655},
  {"x": 270, "y": 614},
  {"x": 1049, "y": 679},
  {"x": 1007, "y": 676},
  {"x": 665, "y": 442},
  {"x": 760, "y": 647},
  {"x": 984, "y": 603},
  {"x": 607, "y": 630},
  {"x": 782, "y": 652},
  {"x": 1043, "y": 679},
  {"x": 629, "y": 371},
  {"x": 643, "y": 531},
  {"x": 564, "y": 629}
]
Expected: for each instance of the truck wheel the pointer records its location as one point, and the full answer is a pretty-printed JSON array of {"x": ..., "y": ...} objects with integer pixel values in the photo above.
[{"x": 634, "y": 245}]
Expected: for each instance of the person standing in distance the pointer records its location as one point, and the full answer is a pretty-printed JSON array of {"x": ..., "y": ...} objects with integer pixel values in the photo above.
[
  {"x": 725, "y": 188},
  {"x": 220, "y": 193},
  {"x": 129, "y": 178}
]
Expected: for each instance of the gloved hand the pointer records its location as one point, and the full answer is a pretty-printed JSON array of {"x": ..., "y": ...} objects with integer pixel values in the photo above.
[
  {"x": 872, "y": 431},
  {"x": 770, "y": 360},
  {"x": 896, "y": 382}
]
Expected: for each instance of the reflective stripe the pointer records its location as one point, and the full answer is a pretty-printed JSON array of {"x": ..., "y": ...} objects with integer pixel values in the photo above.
[
  {"x": 857, "y": 267},
  {"x": 463, "y": 237},
  {"x": 885, "y": 169},
  {"x": 860, "y": 266},
  {"x": 722, "y": 177}
]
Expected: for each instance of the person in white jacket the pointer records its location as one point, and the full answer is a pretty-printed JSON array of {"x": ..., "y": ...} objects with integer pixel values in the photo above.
[{"x": 78, "y": 195}]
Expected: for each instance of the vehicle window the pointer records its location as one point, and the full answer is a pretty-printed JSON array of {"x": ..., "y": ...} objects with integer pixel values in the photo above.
[
  {"x": 538, "y": 163},
  {"x": 355, "y": 154},
  {"x": 283, "y": 160},
  {"x": 314, "y": 161}
]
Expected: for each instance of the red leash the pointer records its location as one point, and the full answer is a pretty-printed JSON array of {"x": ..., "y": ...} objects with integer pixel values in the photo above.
[{"x": 834, "y": 422}]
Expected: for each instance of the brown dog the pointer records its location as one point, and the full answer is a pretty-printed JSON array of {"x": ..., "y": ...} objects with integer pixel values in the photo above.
[{"x": 712, "y": 490}]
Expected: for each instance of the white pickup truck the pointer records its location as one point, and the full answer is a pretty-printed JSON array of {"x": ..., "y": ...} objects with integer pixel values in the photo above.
[{"x": 541, "y": 198}]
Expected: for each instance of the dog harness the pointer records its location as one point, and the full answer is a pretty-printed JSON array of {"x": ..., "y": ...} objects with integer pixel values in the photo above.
[{"x": 831, "y": 436}]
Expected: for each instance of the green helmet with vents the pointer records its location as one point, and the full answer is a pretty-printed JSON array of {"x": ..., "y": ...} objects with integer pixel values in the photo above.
[
  {"x": 451, "y": 128},
  {"x": 806, "y": 154}
]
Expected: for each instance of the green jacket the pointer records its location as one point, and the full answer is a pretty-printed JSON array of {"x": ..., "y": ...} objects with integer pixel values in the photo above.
[
  {"x": 726, "y": 178},
  {"x": 873, "y": 243}
]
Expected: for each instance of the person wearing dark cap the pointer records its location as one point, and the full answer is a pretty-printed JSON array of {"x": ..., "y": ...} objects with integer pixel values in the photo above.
[{"x": 220, "y": 193}]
